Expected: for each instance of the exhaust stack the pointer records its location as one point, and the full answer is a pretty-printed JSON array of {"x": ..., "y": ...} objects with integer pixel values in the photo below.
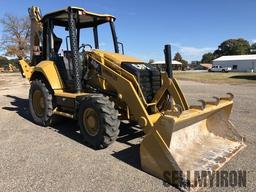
[{"x": 168, "y": 60}]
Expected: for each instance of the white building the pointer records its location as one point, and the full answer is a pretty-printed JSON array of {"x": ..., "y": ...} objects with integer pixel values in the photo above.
[
  {"x": 161, "y": 64},
  {"x": 245, "y": 63}
]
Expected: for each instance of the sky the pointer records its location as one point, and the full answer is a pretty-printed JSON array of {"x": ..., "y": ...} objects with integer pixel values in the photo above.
[{"x": 192, "y": 27}]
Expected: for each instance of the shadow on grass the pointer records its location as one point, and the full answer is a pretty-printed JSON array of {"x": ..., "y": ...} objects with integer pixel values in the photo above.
[
  {"x": 246, "y": 77},
  {"x": 70, "y": 129}
]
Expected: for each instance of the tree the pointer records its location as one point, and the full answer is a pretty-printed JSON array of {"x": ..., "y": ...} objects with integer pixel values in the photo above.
[
  {"x": 217, "y": 53},
  {"x": 207, "y": 57},
  {"x": 253, "y": 48},
  {"x": 178, "y": 57},
  {"x": 15, "y": 62},
  {"x": 3, "y": 61},
  {"x": 233, "y": 47},
  {"x": 151, "y": 61},
  {"x": 184, "y": 64},
  {"x": 16, "y": 33}
]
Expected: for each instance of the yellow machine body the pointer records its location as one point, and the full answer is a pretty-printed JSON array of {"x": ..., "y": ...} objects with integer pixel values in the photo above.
[
  {"x": 189, "y": 139},
  {"x": 180, "y": 138}
]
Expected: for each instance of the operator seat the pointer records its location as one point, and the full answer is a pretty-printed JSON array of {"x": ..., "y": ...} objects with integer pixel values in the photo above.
[
  {"x": 57, "y": 43},
  {"x": 64, "y": 65}
]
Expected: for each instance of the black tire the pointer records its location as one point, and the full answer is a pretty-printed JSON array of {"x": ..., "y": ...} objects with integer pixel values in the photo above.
[
  {"x": 43, "y": 118},
  {"x": 223, "y": 71},
  {"x": 106, "y": 118}
]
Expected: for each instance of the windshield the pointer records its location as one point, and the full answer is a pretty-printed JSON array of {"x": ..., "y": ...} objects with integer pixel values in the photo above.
[
  {"x": 102, "y": 37},
  {"x": 99, "y": 37}
]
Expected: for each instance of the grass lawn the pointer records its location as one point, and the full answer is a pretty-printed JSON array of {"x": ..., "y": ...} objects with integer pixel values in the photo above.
[{"x": 209, "y": 77}]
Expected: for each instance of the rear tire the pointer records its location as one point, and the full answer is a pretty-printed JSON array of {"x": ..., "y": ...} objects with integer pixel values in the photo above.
[
  {"x": 98, "y": 121},
  {"x": 40, "y": 103}
]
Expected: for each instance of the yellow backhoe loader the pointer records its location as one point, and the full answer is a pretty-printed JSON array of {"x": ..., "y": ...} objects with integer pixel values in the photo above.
[{"x": 72, "y": 78}]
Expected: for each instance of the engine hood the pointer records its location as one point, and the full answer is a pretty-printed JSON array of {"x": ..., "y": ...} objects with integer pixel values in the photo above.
[{"x": 116, "y": 57}]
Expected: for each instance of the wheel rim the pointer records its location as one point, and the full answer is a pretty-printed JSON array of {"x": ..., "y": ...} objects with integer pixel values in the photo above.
[
  {"x": 38, "y": 103},
  {"x": 91, "y": 121}
]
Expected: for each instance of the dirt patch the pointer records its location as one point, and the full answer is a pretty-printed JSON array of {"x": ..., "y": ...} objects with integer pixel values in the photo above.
[{"x": 2, "y": 82}]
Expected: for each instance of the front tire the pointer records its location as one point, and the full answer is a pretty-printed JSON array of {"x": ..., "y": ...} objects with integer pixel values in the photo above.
[
  {"x": 40, "y": 103},
  {"x": 98, "y": 121}
]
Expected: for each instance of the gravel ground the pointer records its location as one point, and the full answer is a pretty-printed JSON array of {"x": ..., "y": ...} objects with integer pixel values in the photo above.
[{"x": 33, "y": 158}]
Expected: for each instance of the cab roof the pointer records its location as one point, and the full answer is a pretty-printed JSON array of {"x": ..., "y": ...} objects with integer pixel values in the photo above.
[{"x": 86, "y": 18}]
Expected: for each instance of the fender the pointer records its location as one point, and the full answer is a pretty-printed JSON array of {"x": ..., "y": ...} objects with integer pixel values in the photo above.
[{"x": 50, "y": 72}]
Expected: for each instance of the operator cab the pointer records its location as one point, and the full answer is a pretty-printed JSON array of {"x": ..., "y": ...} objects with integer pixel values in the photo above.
[{"x": 64, "y": 41}]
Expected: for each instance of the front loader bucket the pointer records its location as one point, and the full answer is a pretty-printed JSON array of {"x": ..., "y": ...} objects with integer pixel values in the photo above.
[{"x": 200, "y": 139}]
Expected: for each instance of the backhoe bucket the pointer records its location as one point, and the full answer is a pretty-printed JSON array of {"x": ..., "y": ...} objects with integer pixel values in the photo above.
[{"x": 200, "y": 139}]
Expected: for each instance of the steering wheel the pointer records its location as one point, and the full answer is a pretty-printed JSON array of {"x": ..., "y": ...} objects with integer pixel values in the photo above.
[
  {"x": 85, "y": 45},
  {"x": 84, "y": 54}
]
